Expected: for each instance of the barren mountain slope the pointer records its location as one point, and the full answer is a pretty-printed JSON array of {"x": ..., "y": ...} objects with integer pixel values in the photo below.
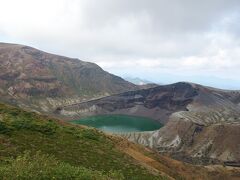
[
  {"x": 202, "y": 124},
  {"x": 37, "y": 80}
]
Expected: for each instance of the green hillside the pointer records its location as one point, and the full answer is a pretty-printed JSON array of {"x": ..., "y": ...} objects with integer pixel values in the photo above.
[{"x": 36, "y": 147}]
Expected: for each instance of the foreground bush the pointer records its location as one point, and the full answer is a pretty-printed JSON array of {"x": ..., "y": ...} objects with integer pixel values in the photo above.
[{"x": 44, "y": 167}]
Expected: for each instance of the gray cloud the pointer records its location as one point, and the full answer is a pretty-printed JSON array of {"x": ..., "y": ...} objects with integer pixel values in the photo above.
[
  {"x": 160, "y": 15},
  {"x": 173, "y": 37}
]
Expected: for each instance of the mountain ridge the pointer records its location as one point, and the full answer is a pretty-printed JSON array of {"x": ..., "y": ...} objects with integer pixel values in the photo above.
[{"x": 37, "y": 80}]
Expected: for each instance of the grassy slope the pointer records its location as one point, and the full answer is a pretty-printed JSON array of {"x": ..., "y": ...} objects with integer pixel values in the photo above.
[
  {"x": 84, "y": 150},
  {"x": 20, "y": 131}
]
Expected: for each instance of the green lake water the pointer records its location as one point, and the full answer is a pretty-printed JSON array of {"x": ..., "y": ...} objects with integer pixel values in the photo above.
[{"x": 119, "y": 123}]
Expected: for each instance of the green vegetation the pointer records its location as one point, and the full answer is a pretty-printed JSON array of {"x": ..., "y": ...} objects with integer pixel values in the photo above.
[
  {"x": 41, "y": 166},
  {"x": 67, "y": 151}
]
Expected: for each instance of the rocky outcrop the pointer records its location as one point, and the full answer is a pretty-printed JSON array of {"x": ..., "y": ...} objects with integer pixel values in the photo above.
[{"x": 193, "y": 143}]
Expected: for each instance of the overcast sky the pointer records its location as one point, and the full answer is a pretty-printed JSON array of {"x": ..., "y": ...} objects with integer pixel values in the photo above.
[{"x": 160, "y": 40}]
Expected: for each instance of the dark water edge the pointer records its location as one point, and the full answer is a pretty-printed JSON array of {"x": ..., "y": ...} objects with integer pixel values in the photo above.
[{"x": 119, "y": 123}]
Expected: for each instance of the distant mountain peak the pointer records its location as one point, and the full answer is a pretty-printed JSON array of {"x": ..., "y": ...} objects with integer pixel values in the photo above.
[{"x": 138, "y": 81}]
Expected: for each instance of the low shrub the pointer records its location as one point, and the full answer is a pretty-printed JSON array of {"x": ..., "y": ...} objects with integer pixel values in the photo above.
[
  {"x": 43, "y": 167},
  {"x": 48, "y": 128},
  {"x": 3, "y": 128},
  {"x": 90, "y": 134}
]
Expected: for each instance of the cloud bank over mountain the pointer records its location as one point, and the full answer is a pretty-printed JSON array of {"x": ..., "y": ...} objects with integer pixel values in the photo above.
[{"x": 160, "y": 40}]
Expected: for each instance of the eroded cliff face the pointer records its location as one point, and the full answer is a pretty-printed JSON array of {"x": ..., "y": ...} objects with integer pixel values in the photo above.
[
  {"x": 201, "y": 124},
  {"x": 208, "y": 132},
  {"x": 194, "y": 143},
  {"x": 157, "y": 103}
]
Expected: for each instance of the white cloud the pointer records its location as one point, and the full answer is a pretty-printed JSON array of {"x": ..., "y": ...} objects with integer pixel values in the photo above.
[{"x": 151, "y": 39}]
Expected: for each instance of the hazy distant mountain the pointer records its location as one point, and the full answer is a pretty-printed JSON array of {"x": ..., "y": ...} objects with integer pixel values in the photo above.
[
  {"x": 201, "y": 123},
  {"x": 138, "y": 81},
  {"x": 39, "y": 80},
  {"x": 142, "y": 84}
]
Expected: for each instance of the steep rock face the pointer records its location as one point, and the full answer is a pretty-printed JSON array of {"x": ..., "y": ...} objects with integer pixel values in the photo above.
[
  {"x": 201, "y": 124},
  {"x": 190, "y": 142},
  {"x": 158, "y": 103},
  {"x": 30, "y": 77}
]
